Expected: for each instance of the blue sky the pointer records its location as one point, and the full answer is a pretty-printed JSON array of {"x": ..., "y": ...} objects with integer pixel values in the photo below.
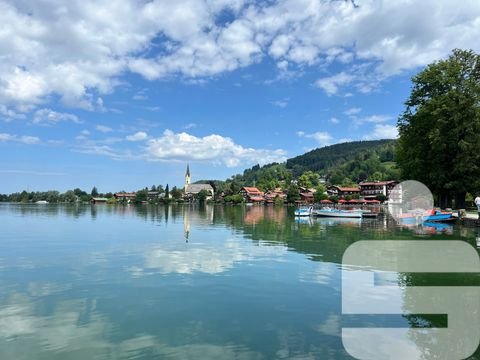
[{"x": 121, "y": 95}]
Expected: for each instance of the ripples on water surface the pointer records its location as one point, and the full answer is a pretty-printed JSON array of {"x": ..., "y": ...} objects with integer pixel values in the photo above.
[{"x": 180, "y": 282}]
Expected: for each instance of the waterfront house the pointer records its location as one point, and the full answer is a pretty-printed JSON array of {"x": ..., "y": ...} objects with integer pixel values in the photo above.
[
  {"x": 271, "y": 195},
  {"x": 99, "y": 200},
  {"x": 341, "y": 191},
  {"x": 252, "y": 194},
  {"x": 127, "y": 197},
  {"x": 307, "y": 195},
  {"x": 370, "y": 189}
]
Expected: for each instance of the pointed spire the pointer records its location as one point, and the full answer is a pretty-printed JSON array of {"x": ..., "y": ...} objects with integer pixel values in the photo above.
[{"x": 188, "y": 170}]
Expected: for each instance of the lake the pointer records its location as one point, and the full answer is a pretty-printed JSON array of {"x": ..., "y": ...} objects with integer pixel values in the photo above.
[{"x": 180, "y": 282}]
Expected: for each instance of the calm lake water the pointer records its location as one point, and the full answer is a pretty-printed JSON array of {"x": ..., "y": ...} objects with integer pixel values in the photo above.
[{"x": 180, "y": 282}]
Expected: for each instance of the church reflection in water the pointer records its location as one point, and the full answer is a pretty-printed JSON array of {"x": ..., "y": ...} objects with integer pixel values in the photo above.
[{"x": 196, "y": 215}]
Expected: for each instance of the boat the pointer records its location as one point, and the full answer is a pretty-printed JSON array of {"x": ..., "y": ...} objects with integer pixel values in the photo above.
[
  {"x": 304, "y": 211},
  {"x": 433, "y": 216},
  {"x": 329, "y": 212}
]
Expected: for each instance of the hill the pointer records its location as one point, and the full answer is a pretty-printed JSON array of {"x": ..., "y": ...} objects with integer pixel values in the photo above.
[{"x": 340, "y": 164}]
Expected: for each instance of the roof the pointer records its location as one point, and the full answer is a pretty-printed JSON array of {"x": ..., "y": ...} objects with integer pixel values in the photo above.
[
  {"x": 250, "y": 190},
  {"x": 348, "y": 189},
  {"x": 125, "y": 195},
  {"x": 196, "y": 188},
  {"x": 188, "y": 170},
  {"x": 306, "y": 194},
  {"x": 99, "y": 199},
  {"x": 257, "y": 198},
  {"x": 381, "y": 183}
]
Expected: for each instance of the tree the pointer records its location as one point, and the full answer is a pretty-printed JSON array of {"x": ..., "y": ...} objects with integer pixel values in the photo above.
[
  {"x": 141, "y": 196},
  {"x": 176, "y": 193},
  {"x": 203, "y": 195},
  {"x": 70, "y": 197},
  {"x": 439, "y": 131},
  {"x": 320, "y": 193},
  {"x": 167, "y": 192},
  {"x": 309, "y": 179},
  {"x": 293, "y": 194},
  {"x": 94, "y": 192},
  {"x": 153, "y": 188}
]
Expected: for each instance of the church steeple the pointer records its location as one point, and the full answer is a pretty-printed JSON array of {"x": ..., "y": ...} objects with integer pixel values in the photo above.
[{"x": 187, "y": 177}]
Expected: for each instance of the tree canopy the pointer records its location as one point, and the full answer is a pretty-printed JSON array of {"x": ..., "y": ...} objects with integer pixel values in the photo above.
[{"x": 439, "y": 130}]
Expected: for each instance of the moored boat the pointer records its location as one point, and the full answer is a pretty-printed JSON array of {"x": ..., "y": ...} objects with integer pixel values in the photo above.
[
  {"x": 433, "y": 216},
  {"x": 304, "y": 211},
  {"x": 328, "y": 212}
]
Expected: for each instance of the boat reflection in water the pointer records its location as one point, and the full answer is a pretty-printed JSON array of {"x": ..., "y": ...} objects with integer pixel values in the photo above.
[
  {"x": 329, "y": 221},
  {"x": 430, "y": 228}
]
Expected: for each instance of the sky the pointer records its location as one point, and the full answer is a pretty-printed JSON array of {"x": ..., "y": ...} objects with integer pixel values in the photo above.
[{"x": 122, "y": 94}]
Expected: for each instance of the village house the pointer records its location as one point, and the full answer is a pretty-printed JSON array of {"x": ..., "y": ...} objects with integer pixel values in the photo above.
[
  {"x": 271, "y": 195},
  {"x": 341, "y": 191},
  {"x": 99, "y": 200},
  {"x": 371, "y": 189},
  {"x": 307, "y": 195},
  {"x": 127, "y": 197},
  {"x": 252, "y": 194}
]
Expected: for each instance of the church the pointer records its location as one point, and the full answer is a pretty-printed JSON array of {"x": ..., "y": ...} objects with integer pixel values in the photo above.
[{"x": 191, "y": 190}]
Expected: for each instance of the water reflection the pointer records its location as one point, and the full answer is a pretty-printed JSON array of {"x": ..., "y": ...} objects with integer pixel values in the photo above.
[{"x": 179, "y": 282}]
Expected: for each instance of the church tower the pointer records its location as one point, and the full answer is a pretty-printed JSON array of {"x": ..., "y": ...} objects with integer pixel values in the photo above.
[{"x": 187, "y": 178}]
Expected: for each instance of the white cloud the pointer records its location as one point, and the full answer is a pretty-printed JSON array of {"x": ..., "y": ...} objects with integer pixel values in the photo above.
[
  {"x": 377, "y": 118},
  {"x": 334, "y": 120},
  {"x": 332, "y": 84},
  {"x": 352, "y": 111},
  {"x": 283, "y": 103},
  {"x": 103, "y": 128},
  {"x": 323, "y": 138},
  {"x": 49, "y": 117},
  {"x": 190, "y": 126},
  {"x": 138, "y": 136},
  {"x": 30, "y": 140},
  {"x": 184, "y": 38},
  {"x": 8, "y": 114},
  {"x": 383, "y": 131},
  {"x": 211, "y": 148}
]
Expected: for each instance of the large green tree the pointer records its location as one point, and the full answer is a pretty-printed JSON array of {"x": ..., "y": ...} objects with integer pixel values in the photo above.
[{"x": 439, "y": 131}]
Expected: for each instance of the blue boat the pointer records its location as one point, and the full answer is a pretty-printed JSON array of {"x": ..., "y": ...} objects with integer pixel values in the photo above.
[{"x": 434, "y": 216}]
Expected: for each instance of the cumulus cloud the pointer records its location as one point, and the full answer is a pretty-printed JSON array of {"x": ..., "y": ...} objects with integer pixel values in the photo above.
[
  {"x": 187, "y": 38},
  {"x": 323, "y": 138},
  {"x": 48, "y": 116},
  {"x": 211, "y": 148},
  {"x": 334, "y": 120},
  {"x": 138, "y": 136},
  {"x": 383, "y": 131},
  {"x": 25, "y": 139},
  {"x": 332, "y": 84}
]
